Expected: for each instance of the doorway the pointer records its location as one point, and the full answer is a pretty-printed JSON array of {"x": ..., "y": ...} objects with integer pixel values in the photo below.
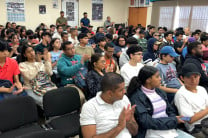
[
  {"x": 71, "y": 10},
  {"x": 137, "y": 16}
]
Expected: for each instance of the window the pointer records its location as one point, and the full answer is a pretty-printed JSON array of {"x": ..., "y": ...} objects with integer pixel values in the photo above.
[
  {"x": 199, "y": 19},
  {"x": 195, "y": 17},
  {"x": 184, "y": 14},
  {"x": 166, "y": 17}
]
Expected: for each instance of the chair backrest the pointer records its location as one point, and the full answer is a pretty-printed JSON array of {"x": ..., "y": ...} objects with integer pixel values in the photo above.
[
  {"x": 16, "y": 112},
  {"x": 61, "y": 101},
  {"x": 44, "y": 134}
]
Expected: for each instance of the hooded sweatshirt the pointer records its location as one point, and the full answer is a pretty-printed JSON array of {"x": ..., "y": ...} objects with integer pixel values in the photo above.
[{"x": 150, "y": 54}]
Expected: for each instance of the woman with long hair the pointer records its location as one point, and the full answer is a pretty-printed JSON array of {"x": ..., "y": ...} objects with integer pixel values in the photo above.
[
  {"x": 55, "y": 53},
  {"x": 95, "y": 75},
  {"x": 30, "y": 66},
  {"x": 14, "y": 46},
  {"x": 154, "y": 115}
]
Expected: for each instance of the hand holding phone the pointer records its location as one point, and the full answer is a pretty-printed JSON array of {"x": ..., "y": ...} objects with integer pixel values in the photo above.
[{"x": 186, "y": 119}]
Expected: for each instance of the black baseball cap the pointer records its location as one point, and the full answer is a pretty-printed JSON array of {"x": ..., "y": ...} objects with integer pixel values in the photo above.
[{"x": 189, "y": 69}]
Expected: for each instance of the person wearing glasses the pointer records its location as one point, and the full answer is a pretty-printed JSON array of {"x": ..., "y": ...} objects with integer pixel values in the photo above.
[
  {"x": 70, "y": 63},
  {"x": 95, "y": 75},
  {"x": 132, "y": 68},
  {"x": 152, "y": 52}
]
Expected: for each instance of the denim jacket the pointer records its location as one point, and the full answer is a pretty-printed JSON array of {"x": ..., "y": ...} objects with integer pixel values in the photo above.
[{"x": 144, "y": 112}]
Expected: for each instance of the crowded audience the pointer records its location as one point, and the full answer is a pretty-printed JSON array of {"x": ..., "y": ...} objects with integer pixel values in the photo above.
[{"x": 132, "y": 80}]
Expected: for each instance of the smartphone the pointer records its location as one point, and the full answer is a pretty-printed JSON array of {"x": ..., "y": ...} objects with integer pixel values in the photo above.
[{"x": 187, "y": 119}]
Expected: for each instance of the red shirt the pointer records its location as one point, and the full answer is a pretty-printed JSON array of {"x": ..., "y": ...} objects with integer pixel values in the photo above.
[
  {"x": 9, "y": 70},
  {"x": 110, "y": 65}
]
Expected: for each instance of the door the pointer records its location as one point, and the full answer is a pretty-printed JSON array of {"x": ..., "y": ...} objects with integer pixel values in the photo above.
[
  {"x": 137, "y": 16},
  {"x": 71, "y": 9}
]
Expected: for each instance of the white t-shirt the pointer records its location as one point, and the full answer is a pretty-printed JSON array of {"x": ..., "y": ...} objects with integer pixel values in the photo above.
[
  {"x": 128, "y": 72},
  {"x": 57, "y": 35},
  {"x": 189, "y": 103},
  {"x": 75, "y": 41},
  {"x": 103, "y": 115}
]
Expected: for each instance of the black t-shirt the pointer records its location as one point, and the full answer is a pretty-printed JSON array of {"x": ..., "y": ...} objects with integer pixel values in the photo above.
[
  {"x": 178, "y": 44},
  {"x": 98, "y": 50}
]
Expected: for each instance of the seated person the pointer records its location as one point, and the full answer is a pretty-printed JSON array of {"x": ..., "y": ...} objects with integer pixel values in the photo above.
[
  {"x": 170, "y": 82},
  {"x": 95, "y": 75},
  {"x": 73, "y": 37},
  {"x": 194, "y": 56},
  {"x": 179, "y": 44},
  {"x": 101, "y": 44},
  {"x": 55, "y": 53},
  {"x": 64, "y": 37},
  {"x": 46, "y": 38},
  {"x": 58, "y": 33},
  {"x": 154, "y": 114},
  {"x": 9, "y": 71},
  {"x": 191, "y": 99},
  {"x": 152, "y": 49},
  {"x": 14, "y": 47},
  {"x": 111, "y": 65},
  {"x": 124, "y": 58},
  {"x": 142, "y": 41},
  {"x": 120, "y": 46},
  {"x": 70, "y": 63},
  {"x": 108, "y": 115},
  {"x": 82, "y": 49},
  {"x": 132, "y": 68},
  {"x": 30, "y": 66}
]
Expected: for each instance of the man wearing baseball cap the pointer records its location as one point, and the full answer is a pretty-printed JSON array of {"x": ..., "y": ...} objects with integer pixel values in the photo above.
[
  {"x": 194, "y": 56},
  {"x": 191, "y": 100},
  {"x": 170, "y": 83}
]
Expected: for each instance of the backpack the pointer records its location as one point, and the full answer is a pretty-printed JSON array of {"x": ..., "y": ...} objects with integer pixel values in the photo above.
[
  {"x": 42, "y": 83},
  {"x": 80, "y": 78}
]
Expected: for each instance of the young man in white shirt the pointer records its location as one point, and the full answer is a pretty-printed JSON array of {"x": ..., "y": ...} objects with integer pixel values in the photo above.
[
  {"x": 132, "y": 68},
  {"x": 108, "y": 115},
  {"x": 191, "y": 99}
]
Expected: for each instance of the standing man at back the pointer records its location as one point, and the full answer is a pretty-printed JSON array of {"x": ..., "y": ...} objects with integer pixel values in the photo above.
[
  {"x": 62, "y": 21},
  {"x": 85, "y": 23}
]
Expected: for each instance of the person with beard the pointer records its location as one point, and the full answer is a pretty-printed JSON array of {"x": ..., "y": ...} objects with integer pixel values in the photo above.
[
  {"x": 152, "y": 46},
  {"x": 194, "y": 56}
]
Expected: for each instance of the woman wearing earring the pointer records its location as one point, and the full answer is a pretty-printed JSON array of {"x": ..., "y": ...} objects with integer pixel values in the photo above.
[
  {"x": 154, "y": 114},
  {"x": 95, "y": 75}
]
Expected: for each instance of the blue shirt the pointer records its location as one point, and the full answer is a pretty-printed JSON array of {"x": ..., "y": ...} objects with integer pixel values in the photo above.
[
  {"x": 85, "y": 21},
  {"x": 184, "y": 52}
]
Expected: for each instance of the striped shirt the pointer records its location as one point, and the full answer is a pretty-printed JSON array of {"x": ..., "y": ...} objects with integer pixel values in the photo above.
[{"x": 159, "y": 105}]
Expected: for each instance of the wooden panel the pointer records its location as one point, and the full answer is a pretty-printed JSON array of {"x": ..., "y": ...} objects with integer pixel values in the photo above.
[{"x": 137, "y": 16}]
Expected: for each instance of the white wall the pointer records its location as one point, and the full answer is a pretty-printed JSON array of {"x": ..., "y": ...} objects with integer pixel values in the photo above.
[
  {"x": 149, "y": 14},
  {"x": 117, "y": 9},
  {"x": 32, "y": 16}
]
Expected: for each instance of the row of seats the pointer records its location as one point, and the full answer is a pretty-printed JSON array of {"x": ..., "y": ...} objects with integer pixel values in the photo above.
[{"x": 61, "y": 107}]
